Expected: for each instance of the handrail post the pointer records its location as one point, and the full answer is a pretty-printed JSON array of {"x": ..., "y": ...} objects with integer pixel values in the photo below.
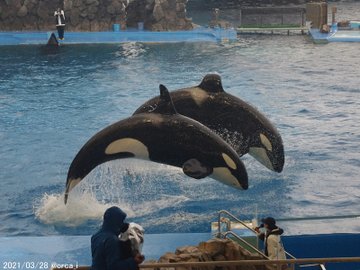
[
  {"x": 219, "y": 230},
  {"x": 244, "y": 241}
]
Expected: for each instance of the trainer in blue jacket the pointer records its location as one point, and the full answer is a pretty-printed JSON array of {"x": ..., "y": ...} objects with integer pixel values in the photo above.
[{"x": 108, "y": 253}]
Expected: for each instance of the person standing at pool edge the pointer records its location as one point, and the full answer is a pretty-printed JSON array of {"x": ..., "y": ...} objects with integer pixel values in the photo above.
[
  {"x": 60, "y": 22},
  {"x": 106, "y": 249},
  {"x": 274, "y": 248}
]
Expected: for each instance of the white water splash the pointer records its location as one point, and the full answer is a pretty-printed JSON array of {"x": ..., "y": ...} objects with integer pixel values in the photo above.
[
  {"x": 131, "y": 50},
  {"x": 52, "y": 210},
  {"x": 135, "y": 189},
  {"x": 235, "y": 139}
]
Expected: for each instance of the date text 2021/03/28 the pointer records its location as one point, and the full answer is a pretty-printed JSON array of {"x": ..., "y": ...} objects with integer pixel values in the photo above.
[{"x": 12, "y": 265}]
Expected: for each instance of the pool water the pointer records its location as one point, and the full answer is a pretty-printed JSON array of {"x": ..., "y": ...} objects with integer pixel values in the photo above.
[{"x": 51, "y": 104}]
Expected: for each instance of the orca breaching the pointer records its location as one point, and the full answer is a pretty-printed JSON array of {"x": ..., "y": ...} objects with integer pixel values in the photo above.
[
  {"x": 237, "y": 122},
  {"x": 181, "y": 129}
]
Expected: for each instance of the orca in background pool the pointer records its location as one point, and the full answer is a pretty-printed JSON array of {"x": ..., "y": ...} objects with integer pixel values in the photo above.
[
  {"x": 52, "y": 46},
  {"x": 161, "y": 136},
  {"x": 237, "y": 122},
  {"x": 52, "y": 42}
]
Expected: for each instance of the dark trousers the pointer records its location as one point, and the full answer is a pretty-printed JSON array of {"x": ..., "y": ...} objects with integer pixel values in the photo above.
[{"x": 60, "y": 30}]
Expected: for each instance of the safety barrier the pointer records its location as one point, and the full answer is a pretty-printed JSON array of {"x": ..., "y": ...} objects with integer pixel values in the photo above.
[{"x": 278, "y": 263}]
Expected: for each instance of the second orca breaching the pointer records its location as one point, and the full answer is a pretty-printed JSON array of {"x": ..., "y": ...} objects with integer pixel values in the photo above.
[
  {"x": 161, "y": 136},
  {"x": 237, "y": 122}
]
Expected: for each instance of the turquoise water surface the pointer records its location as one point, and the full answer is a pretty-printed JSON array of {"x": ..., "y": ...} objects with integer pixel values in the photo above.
[{"x": 51, "y": 104}]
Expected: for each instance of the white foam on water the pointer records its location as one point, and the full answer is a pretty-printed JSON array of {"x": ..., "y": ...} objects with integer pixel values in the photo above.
[
  {"x": 79, "y": 209},
  {"x": 109, "y": 186},
  {"x": 177, "y": 219},
  {"x": 141, "y": 189},
  {"x": 156, "y": 205},
  {"x": 131, "y": 50},
  {"x": 85, "y": 207}
]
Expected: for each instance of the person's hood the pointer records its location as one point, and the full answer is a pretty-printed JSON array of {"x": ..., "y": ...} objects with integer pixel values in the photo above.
[
  {"x": 277, "y": 231},
  {"x": 114, "y": 220},
  {"x": 270, "y": 221}
]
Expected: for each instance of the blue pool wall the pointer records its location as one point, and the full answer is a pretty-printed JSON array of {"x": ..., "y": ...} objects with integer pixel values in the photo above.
[
  {"x": 324, "y": 246},
  {"x": 76, "y": 249},
  {"x": 201, "y": 34}
]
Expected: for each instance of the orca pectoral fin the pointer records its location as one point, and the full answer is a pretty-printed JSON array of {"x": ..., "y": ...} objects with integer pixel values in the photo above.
[{"x": 196, "y": 169}]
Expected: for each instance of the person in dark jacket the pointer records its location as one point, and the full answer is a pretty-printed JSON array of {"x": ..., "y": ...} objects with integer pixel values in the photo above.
[
  {"x": 108, "y": 252},
  {"x": 274, "y": 248}
]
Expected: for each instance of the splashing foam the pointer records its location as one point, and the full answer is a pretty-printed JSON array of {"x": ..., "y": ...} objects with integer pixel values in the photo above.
[
  {"x": 235, "y": 139},
  {"x": 131, "y": 50},
  {"x": 52, "y": 210},
  {"x": 134, "y": 188}
]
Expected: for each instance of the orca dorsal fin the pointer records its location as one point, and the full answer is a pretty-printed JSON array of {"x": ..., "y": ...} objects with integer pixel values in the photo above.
[
  {"x": 164, "y": 93},
  {"x": 211, "y": 83},
  {"x": 165, "y": 105}
]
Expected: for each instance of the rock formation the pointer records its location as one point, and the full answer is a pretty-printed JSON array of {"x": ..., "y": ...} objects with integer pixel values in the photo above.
[
  {"x": 100, "y": 15},
  {"x": 159, "y": 15},
  {"x": 28, "y": 14},
  {"x": 94, "y": 15},
  {"x": 212, "y": 250}
]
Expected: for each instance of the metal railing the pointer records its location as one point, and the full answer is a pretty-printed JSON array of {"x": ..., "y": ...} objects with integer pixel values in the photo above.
[
  {"x": 246, "y": 243},
  {"x": 242, "y": 223},
  {"x": 239, "y": 238},
  {"x": 321, "y": 266},
  {"x": 233, "y": 217},
  {"x": 211, "y": 264},
  {"x": 190, "y": 265}
]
